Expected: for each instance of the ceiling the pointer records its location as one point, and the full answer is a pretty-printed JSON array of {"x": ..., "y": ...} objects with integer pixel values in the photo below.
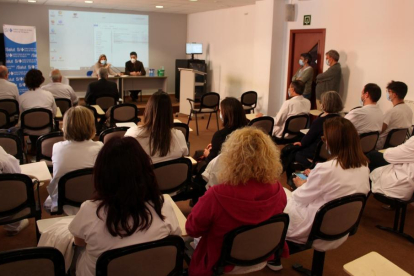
[{"x": 170, "y": 6}]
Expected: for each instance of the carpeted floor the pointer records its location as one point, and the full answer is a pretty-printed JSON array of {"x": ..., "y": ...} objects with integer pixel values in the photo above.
[{"x": 367, "y": 239}]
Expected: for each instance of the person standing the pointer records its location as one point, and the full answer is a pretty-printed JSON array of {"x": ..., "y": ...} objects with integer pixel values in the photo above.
[
  {"x": 305, "y": 74},
  {"x": 331, "y": 78},
  {"x": 134, "y": 67}
]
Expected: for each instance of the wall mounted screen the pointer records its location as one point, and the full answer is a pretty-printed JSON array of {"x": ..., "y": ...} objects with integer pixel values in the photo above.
[{"x": 77, "y": 39}]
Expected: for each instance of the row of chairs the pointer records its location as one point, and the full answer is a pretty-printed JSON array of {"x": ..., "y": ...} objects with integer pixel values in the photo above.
[{"x": 244, "y": 246}]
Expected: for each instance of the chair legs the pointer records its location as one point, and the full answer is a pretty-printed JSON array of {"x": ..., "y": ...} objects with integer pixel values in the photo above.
[
  {"x": 208, "y": 123},
  {"x": 196, "y": 122},
  {"x": 398, "y": 222},
  {"x": 317, "y": 265}
]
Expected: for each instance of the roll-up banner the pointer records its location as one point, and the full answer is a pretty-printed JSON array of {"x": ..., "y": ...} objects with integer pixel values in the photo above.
[{"x": 21, "y": 52}]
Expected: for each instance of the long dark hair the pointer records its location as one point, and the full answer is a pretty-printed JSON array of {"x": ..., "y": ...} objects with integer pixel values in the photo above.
[
  {"x": 158, "y": 122},
  {"x": 124, "y": 183},
  {"x": 233, "y": 113}
]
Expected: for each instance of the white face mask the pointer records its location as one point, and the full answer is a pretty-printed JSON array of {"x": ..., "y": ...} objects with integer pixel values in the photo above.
[
  {"x": 103, "y": 62},
  {"x": 133, "y": 60},
  {"x": 221, "y": 117},
  {"x": 388, "y": 97},
  {"x": 327, "y": 62},
  {"x": 301, "y": 63}
]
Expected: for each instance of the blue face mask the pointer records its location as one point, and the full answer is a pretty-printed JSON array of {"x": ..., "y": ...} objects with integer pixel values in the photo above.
[
  {"x": 301, "y": 63},
  {"x": 103, "y": 62},
  {"x": 388, "y": 97}
]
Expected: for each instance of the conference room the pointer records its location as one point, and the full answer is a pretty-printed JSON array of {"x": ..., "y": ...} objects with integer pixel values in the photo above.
[{"x": 215, "y": 50}]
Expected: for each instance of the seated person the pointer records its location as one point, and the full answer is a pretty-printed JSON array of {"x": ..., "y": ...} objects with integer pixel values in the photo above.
[
  {"x": 36, "y": 98},
  {"x": 8, "y": 90},
  {"x": 233, "y": 116},
  {"x": 157, "y": 136},
  {"x": 296, "y": 105},
  {"x": 395, "y": 178},
  {"x": 331, "y": 104},
  {"x": 9, "y": 164},
  {"x": 78, "y": 151},
  {"x": 102, "y": 87},
  {"x": 369, "y": 117},
  {"x": 249, "y": 193},
  {"x": 60, "y": 90},
  {"x": 400, "y": 115},
  {"x": 344, "y": 174},
  {"x": 102, "y": 63},
  {"x": 127, "y": 207}
]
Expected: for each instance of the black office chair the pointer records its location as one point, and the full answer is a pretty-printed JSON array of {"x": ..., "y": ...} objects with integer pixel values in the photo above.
[
  {"x": 63, "y": 104},
  {"x": 13, "y": 145},
  {"x": 156, "y": 258},
  {"x": 185, "y": 130},
  {"x": 368, "y": 141},
  {"x": 112, "y": 132},
  {"x": 44, "y": 261},
  {"x": 249, "y": 101},
  {"x": 333, "y": 221},
  {"x": 265, "y": 123},
  {"x": 12, "y": 108},
  {"x": 209, "y": 103},
  {"x": 291, "y": 131},
  {"x": 44, "y": 147},
  {"x": 4, "y": 119},
  {"x": 122, "y": 113},
  {"x": 106, "y": 102},
  {"x": 396, "y": 137},
  {"x": 98, "y": 124}
]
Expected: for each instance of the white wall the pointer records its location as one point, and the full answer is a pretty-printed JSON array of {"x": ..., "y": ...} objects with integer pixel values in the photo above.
[{"x": 167, "y": 34}]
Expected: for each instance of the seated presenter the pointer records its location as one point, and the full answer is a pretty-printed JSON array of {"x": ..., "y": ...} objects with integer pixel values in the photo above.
[
  {"x": 134, "y": 67},
  {"x": 102, "y": 63}
]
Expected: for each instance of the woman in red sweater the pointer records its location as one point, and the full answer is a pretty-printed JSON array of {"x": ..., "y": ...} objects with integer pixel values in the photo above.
[{"x": 249, "y": 194}]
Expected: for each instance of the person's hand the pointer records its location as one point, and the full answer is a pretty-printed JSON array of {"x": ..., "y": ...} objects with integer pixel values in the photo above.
[
  {"x": 307, "y": 172},
  {"x": 297, "y": 144},
  {"x": 139, "y": 73},
  {"x": 259, "y": 115},
  {"x": 206, "y": 152},
  {"x": 298, "y": 181}
]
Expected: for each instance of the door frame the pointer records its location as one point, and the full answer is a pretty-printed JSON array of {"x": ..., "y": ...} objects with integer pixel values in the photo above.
[{"x": 321, "y": 49}]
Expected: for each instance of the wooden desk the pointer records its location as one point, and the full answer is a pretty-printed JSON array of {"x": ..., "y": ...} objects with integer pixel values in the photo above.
[
  {"x": 98, "y": 109},
  {"x": 304, "y": 131},
  {"x": 129, "y": 124},
  {"x": 373, "y": 264},
  {"x": 38, "y": 170},
  {"x": 193, "y": 161},
  {"x": 80, "y": 83},
  {"x": 382, "y": 151},
  {"x": 315, "y": 112},
  {"x": 251, "y": 116},
  {"x": 142, "y": 83},
  {"x": 58, "y": 113}
]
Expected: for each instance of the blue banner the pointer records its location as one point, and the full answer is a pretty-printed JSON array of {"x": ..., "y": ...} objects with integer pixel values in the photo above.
[{"x": 21, "y": 53}]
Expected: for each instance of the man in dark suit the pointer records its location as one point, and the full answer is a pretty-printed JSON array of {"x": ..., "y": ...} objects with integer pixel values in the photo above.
[
  {"x": 102, "y": 87},
  {"x": 134, "y": 67}
]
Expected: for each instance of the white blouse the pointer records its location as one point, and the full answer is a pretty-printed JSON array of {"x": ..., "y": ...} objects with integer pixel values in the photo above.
[
  {"x": 178, "y": 146},
  {"x": 326, "y": 182},
  {"x": 86, "y": 225},
  {"x": 69, "y": 156}
]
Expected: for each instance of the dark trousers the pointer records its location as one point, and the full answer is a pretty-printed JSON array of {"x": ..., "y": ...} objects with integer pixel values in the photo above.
[
  {"x": 376, "y": 160},
  {"x": 134, "y": 94}
]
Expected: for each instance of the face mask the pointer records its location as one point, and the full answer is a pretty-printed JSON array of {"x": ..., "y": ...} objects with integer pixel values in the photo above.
[
  {"x": 103, "y": 62},
  {"x": 221, "y": 117},
  {"x": 301, "y": 63},
  {"x": 361, "y": 102},
  {"x": 327, "y": 62},
  {"x": 133, "y": 60},
  {"x": 290, "y": 94},
  {"x": 327, "y": 149},
  {"x": 388, "y": 97}
]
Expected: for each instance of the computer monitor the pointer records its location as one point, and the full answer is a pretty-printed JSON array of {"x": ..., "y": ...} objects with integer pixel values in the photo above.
[{"x": 194, "y": 48}]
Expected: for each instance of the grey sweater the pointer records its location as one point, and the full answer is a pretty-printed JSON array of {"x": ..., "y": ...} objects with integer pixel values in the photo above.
[
  {"x": 329, "y": 80},
  {"x": 306, "y": 77}
]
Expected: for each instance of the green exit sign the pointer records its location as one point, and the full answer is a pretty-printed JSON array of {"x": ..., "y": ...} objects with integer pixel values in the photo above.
[{"x": 307, "y": 20}]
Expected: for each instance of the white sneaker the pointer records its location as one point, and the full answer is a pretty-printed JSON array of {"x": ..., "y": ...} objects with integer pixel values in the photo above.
[
  {"x": 23, "y": 224},
  {"x": 274, "y": 265}
]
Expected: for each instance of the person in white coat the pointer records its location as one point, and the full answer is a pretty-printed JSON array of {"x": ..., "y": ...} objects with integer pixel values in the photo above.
[
  {"x": 157, "y": 135},
  {"x": 369, "y": 117},
  {"x": 9, "y": 164},
  {"x": 78, "y": 151},
  {"x": 397, "y": 178},
  {"x": 127, "y": 208},
  {"x": 344, "y": 174}
]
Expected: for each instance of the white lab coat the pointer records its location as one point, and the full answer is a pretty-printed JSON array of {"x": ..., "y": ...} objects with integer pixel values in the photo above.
[
  {"x": 8, "y": 90},
  {"x": 366, "y": 119},
  {"x": 326, "y": 182},
  {"x": 396, "y": 179}
]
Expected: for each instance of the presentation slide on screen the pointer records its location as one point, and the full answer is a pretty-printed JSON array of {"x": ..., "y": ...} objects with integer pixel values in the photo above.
[{"x": 77, "y": 39}]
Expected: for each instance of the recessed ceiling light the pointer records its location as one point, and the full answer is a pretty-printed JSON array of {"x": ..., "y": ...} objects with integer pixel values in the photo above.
[
  {"x": 193, "y": 0},
  {"x": 89, "y": 2},
  {"x": 159, "y": 7},
  {"x": 31, "y": 1}
]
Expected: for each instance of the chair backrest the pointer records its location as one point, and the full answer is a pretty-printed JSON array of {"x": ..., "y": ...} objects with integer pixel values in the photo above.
[
  {"x": 337, "y": 218},
  {"x": 210, "y": 100},
  {"x": 183, "y": 128},
  {"x": 45, "y": 261},
  {"x": 44, "y": 145},
  {"x": 95, "y": 114},
  {"x": 36, "y": 119},
  {"x": 252, "y": 244},
  {"x": 17, "y": 199},
  {"x": 294, "y": 124},
  {"x": 74, "y": 188},
  {"x": 396, "y": 137},
  {"x": 124, "y": 113},
  {"x": 105, "y": 102},
  {"x": 156, "y": 258},
  {"x": 112, "y": 132},
  {"x": 264, "y": 123},
  {"x": 64, "y": 104},
  {"x": 369, "y": 141},
  {"x": 11, "y": 106},
  {"x": 249, "y": 98},
  {"x": 4, "y": 119},
  {"x": 173, "y": 175},
  {"x": 12, "y": 144}
]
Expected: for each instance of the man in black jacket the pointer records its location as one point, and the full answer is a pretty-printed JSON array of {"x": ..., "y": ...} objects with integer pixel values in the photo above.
[
  {"x": 102, "y": 87},
  {"x": 134, "y": 67}
]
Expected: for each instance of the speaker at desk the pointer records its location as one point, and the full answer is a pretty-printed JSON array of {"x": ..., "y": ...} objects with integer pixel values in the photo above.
[{"x": 290, "y": 12}]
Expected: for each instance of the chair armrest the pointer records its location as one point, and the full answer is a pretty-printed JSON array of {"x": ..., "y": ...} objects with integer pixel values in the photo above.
[{"x": 191, "y": 100}]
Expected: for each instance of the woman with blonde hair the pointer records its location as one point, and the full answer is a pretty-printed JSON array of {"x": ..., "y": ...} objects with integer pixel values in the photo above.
[
  {"x": 78, "y": 151},
  {"x": 102, "y": 63},
  {"x": 250, "y": 193}
]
